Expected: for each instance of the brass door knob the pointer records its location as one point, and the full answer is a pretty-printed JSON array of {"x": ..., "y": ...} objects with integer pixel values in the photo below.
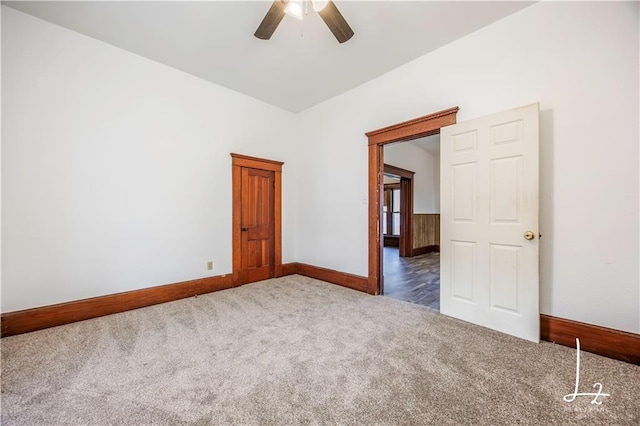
[{"x": 529, "y": 235}]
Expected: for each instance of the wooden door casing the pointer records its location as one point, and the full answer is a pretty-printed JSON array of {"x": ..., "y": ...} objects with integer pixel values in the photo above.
[
  {"x": 412, "y": 129},
  {"x": 254, "y": 258}
]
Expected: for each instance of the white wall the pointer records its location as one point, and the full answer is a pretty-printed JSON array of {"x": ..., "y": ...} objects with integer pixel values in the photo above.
[
  {"x": 580, "y": 61},
  {"x": 436, "y": 181},
  {"x": 410, "y": 157},
  {"x": 116, "y": 172}
]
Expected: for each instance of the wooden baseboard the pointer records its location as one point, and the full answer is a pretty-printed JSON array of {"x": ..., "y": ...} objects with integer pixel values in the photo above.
[
  {"x": 34, "y": 319},
  {"x": 289, "y": 269},
  {"x": 19, "y": 322},
  {"x": 391, "y": 241},
  {"x": 424, "y": 250},
  {"x": 355, "y": 282},
  {"x": 603, "y": 341}
]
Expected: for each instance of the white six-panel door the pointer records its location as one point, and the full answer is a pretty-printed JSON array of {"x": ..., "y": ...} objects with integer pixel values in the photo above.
[{"x": 489, "y": 202}]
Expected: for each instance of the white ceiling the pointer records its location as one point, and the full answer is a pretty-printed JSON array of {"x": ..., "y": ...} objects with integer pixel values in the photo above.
[{"x": 214, "y": 40}]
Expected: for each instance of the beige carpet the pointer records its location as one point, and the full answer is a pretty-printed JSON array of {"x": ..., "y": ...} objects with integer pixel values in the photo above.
[{"x": 299, "y": 351}]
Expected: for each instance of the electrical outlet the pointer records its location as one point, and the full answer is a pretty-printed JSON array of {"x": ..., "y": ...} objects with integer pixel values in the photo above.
[{"x": 210, "y": 265}]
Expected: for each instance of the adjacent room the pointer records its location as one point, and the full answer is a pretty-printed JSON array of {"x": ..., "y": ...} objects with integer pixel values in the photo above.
[
  {"x": 412, "y": 273},
  {"x": 319, "y": 212}
]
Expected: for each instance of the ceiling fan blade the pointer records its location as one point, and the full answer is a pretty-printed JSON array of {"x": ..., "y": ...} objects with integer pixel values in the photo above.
[
  {"x": 271, "y": 20},
  {"x": 336, "y": 23}
]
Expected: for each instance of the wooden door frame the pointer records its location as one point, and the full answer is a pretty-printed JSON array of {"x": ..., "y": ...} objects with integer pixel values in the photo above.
[
  {"x": 405, "y": 246},
  {"x": 413, "y": 129},
  {"x": 238, "y": 161}
]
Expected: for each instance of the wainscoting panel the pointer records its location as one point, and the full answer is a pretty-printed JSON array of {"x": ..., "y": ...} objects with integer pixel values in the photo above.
[{"x": 426, "y": 230}]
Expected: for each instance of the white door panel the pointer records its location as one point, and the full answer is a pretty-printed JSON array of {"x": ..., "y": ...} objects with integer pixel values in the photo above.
[{"x": 489, "y": 199}]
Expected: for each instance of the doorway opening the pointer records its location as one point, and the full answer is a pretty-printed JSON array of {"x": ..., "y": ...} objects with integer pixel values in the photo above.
[
  {"x": 489, "y": 258},
  {"x": 377, "y": 139},
  {"x": 411, "y": 271},
  {"x": 397, "y": 209}
]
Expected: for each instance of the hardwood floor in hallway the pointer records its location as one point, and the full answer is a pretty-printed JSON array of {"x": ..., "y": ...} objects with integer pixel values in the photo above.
[{"x": 412, "y": 279}]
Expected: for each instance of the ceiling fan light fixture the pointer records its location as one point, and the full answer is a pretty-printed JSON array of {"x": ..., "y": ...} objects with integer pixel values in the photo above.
[
  {"x": 294, "y": 9},
  {"x": 326, "y": 9},
  {"x": 318, "y": 5}
]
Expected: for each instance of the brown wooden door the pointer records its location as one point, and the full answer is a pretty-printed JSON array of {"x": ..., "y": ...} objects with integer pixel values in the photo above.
[{"x": 257, "y": 225}]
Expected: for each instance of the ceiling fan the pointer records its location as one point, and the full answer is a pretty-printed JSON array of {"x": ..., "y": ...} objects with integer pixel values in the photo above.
[{"x": 326, "y": 9}]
